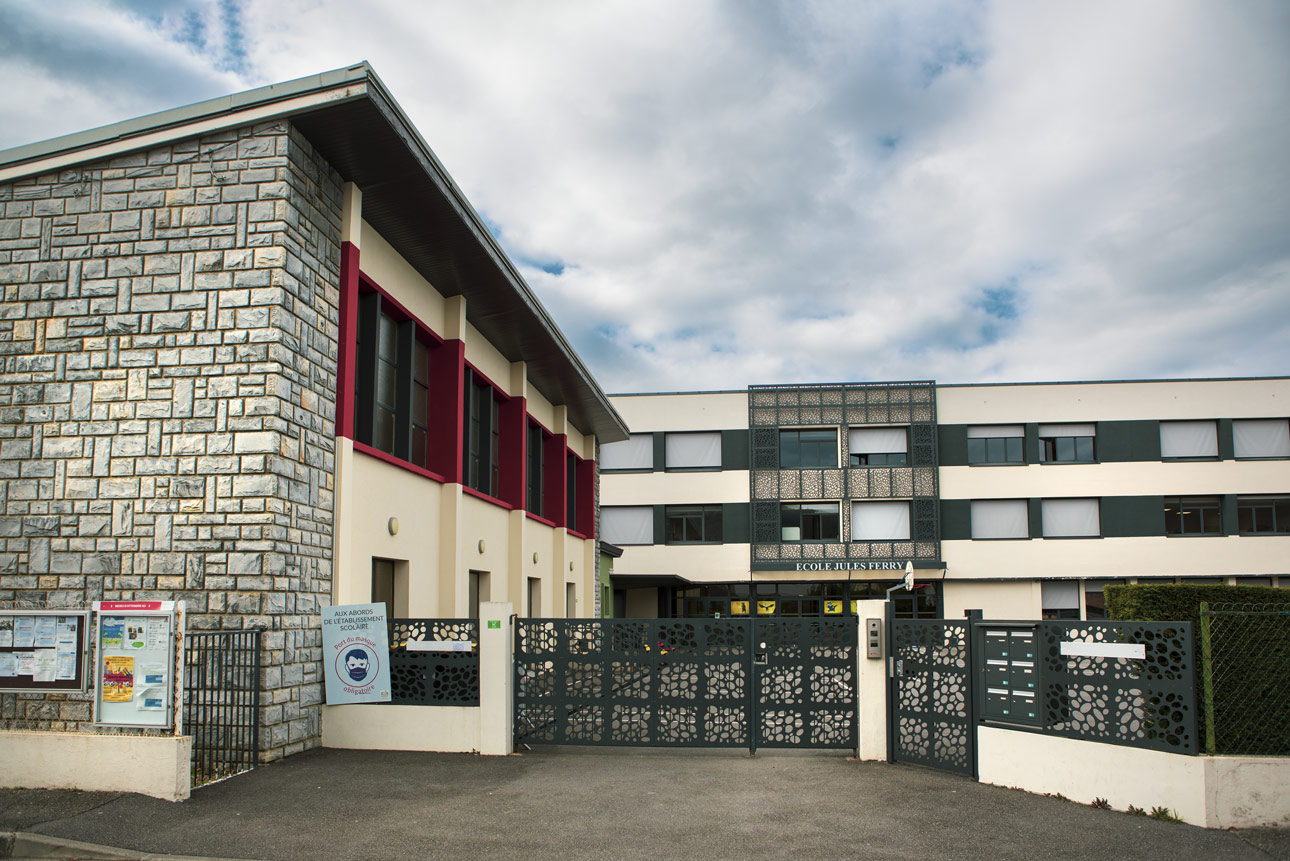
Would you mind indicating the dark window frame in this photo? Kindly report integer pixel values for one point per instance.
(879, 458)
(481, 447)
(1051, 449)
(818, 520)
(996, 450)
(1248, 524)
(534, 468)
(1208, 509)
(685, 514)
(816, 447)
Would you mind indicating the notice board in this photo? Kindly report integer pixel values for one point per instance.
(134, 663)
(44, 650)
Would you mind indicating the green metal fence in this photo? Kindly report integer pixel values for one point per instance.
(1245, 678)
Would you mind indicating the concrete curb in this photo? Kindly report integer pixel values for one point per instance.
(25, 844)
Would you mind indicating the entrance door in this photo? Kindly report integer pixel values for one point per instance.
(929, 699)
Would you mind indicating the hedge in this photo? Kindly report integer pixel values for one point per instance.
(1246, 661)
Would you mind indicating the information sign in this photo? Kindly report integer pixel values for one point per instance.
(356, 654)
(134, 664)
(44, 650)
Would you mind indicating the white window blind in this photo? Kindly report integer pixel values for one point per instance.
(994, 431)
(693, 450)
(637, 452)
(880, 521)
(1059, 594)
(1188, 439)
(1068, 518)
(878, 440)
(1051, 431)
(1262, 437)
(1000, 518)
(627, 524)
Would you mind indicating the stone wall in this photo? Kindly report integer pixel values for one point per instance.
(168, 333)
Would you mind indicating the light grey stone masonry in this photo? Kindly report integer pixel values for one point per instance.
(168, 332)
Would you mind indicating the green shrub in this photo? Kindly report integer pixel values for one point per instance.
(1165, 603)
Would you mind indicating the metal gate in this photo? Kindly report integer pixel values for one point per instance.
(686, 682)
(929, 712)
(222, 702)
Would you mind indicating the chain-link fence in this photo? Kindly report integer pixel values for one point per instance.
(1245, 678)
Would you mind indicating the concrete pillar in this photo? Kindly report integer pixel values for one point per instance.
(496, 678)
(871, 686)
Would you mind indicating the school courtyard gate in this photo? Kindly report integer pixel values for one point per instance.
(929, 697)
(754, 683)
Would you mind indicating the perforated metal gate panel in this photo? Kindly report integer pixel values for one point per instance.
(686, 682)
(929, 701)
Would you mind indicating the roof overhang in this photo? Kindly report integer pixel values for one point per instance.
(408, 197)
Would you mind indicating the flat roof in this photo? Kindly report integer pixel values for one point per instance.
(350, 117)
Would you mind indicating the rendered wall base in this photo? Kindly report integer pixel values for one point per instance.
(442, 729)
(1213, 791)
(148, 765)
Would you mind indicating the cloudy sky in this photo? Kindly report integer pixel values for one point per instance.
(711, 194)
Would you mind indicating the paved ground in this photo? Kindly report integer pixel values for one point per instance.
(575, 803)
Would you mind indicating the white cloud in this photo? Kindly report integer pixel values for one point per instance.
(757, 193)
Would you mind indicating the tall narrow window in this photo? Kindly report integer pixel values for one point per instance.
(387, 363)
(481, 449)
(420, 403)
(571, 492)
(535, 496)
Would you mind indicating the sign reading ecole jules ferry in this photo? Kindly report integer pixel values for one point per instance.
(830, 566)
(356, 654)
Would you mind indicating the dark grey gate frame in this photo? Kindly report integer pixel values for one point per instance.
(743, 682)
(221, 706)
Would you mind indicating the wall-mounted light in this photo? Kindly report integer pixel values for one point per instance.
(570, 566)
(535, 556)
(393, 525)
(482, 546)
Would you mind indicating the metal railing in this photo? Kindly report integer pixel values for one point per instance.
(222, 702)
(1245, 678)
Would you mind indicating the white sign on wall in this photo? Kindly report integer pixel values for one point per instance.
(356, 654)
(1133, 651)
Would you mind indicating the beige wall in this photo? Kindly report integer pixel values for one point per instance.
(444, 729)
(1083, 402)
(673, 488)
(996, 600)
(157, 766)
(702, 563)
(693, 411)
(1099, 558)
(1141, 478)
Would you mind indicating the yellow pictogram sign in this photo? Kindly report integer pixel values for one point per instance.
(738, 608)
(833, 608)
(765, 608)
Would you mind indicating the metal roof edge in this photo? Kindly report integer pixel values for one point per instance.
(1118, 382)
(173, 118)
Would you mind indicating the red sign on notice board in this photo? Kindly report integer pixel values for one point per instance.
(119, 606)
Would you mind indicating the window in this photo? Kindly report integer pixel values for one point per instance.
(627, 524)
(1066, 443)
(880, 521)
(535, 597)
(392, 384)
(478, 593)
(1188, 440)
(693, 524)
(996, 444)
(808, 449)
(535, 486)
(571, 491)
(1095, 599)
(878, 446)
(1070, 518)
(634, 453)
(1060, 599)
(1000, 518)
(1261, 438)
(570, 600)
(482, 434)
(1262, 515)
(809, 521)
(1192, 515)
(693, 450)
(383, 585)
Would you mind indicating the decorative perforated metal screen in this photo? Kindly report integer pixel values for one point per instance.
(1147, 702)
(434, 678)
(686, 682)
(930, 699)
(845, 406)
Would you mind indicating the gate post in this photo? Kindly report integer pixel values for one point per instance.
(871, 684)
(496, 678)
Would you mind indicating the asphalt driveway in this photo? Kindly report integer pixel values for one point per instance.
(575, 803)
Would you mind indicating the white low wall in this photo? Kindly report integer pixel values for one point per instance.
(1216, 792)
(149, 765)
(442, 729)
